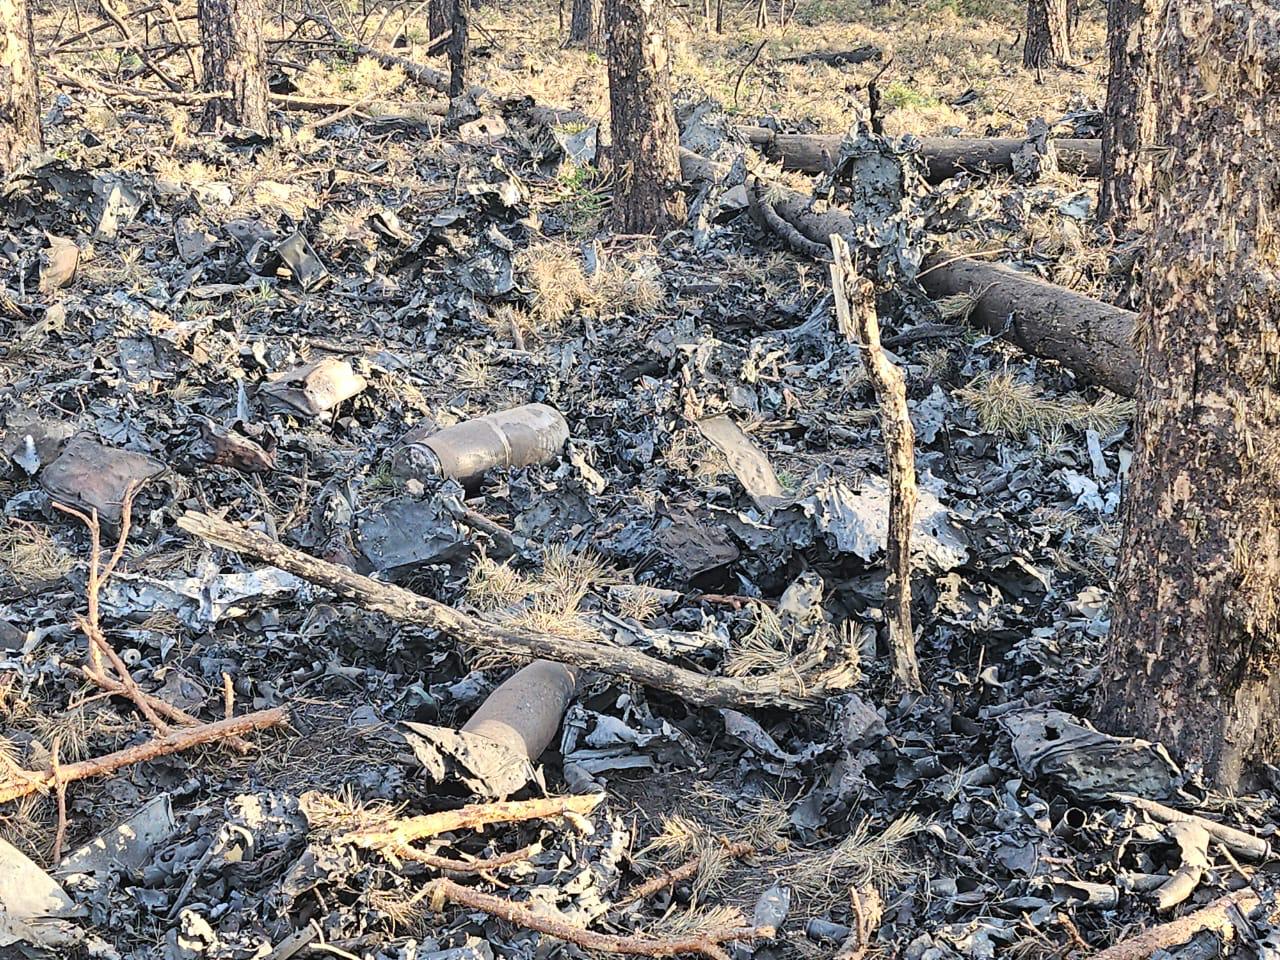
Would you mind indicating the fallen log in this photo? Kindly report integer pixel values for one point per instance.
(838, 58)
(1218, 916)
(1091, 338)
(944, 157)
(781, 690)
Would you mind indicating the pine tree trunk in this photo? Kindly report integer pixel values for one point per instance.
(235, 63)
(1129, 118)
(19, 95)
(646, 142)
(1048, 42)
(1195, 652)
(459, 49)
(439, 18)
(584, 24)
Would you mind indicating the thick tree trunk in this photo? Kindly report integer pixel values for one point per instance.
(1129, 117)
(1048, 42)
(646, 142)
(584, 24)
(459, 49)
(439, 17)
(19, 96)
(1195, 656)
(234, 63)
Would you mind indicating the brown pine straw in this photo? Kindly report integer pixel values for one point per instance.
(685, 871)
(707, 944)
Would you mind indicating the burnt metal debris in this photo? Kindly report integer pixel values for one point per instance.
(417, 360)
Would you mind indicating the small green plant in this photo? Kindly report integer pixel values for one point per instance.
(900, 96)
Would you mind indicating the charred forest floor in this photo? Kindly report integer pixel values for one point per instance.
(253, 326)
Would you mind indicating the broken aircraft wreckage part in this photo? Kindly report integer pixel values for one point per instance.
(525, 435)
(494, 752)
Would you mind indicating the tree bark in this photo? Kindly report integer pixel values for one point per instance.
(1090, 338)
(585, 25)
(1194, 659)
(646, 142)
(1048, 42)
(19, 94)
(459, 49)
(1129, 117)
(234, 63)
(439, 17)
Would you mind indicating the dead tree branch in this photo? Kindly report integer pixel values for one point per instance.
(780, 690)
(23, 782)
(856, 317)
(1220, 916)
(643, 945)
(678, 874)
(399, 834)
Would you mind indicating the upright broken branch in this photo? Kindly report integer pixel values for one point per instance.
(780, 690)
(856, 317)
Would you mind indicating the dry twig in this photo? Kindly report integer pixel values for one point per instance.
(678, 874)
(23, 782)
(643, 945)
(399, 834)
(1220, 916)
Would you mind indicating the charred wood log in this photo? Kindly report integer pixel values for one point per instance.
(944, 157)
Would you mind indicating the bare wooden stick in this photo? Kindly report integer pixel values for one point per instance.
(171, 12)
(643, 945)
(138, 48)
(399, 834)
(780, 690)
(464, 867)
(1218, 916)
(866, 908)
(856, 318)
(183, 738)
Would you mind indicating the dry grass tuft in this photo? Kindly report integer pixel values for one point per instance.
(818, 657)
(494, 586)
(71, 730)
(636, 602)
(343, 813)
(405, 911)
(28, 824)
(863, 857)
(694, 921)
(957, 308)
(549, 601)
(30, 555)
(561, 286)
(692, 456)
(1004, 404)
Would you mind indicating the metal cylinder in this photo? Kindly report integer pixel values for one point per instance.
(533, 433)
(524, 712)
